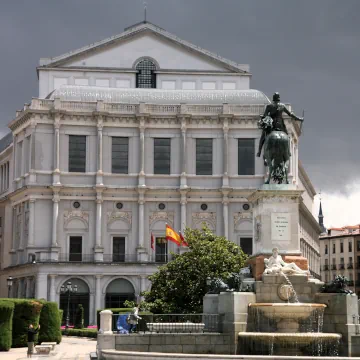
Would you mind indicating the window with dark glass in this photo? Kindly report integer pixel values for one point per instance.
(341, 247)
(246, 245)
(77, 153)
(118, 249)
(334, 248)
(326, 249)
(75, 248)
(204, 155)
(358, 245)
(146, 77)
(161, 251)
(120, 155)
(162, 151)
(246, 156)
(350, 246)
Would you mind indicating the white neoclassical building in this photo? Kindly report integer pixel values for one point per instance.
(126, 135)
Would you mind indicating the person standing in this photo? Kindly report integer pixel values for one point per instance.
(31, 334)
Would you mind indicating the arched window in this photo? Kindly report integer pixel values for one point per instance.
(146, 77)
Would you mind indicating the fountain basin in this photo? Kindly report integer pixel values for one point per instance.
(295, 344)
(287, 315)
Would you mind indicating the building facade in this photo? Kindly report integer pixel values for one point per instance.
(129, 134)
(340, 255)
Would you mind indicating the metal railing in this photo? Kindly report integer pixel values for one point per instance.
(333, 267)
(119, 258)
(325, 267)
(76, 257)
(170, 323)
(341, 266)
(350, 266)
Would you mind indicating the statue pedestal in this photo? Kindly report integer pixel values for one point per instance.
(276, 224)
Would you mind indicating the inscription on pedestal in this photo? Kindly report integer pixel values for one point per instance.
(280, 227)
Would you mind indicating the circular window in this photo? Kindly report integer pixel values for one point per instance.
(161, 206)
(119, 205)
(204, 207)
(76, 204)
(246, 206)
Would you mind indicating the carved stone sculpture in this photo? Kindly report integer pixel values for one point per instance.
(276, 265)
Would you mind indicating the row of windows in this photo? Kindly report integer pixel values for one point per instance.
(162, 155)
(341, 247)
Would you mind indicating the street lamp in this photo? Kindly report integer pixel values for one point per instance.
(69, 289)
(9, 284)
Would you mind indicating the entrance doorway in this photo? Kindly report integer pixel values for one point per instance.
(80, 297)
(117, 292)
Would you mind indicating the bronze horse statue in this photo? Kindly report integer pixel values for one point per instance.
(277, 156)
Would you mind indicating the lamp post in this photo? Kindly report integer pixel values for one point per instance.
(68, 289)
(9, 284)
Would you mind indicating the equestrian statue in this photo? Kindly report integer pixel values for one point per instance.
(275, 140)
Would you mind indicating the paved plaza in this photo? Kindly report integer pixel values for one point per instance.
(73, 348)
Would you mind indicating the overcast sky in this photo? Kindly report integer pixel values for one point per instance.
(307, 50)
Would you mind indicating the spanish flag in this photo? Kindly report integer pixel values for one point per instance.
(183, 241)
(172, 235)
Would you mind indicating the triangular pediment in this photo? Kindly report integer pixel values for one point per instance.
(145, 40)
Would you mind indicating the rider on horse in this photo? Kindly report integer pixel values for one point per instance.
(275, 137)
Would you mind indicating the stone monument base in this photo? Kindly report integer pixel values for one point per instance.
(257, 263)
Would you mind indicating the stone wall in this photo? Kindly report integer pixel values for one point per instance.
(267, 290)
(209, 343)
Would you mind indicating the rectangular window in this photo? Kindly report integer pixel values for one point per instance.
(77, 153)
(326, 249)
(334, 248)
(358, 245)
(246, 245)
(118, 249)
(246, 156)
(161, 251)
(204, 150)
(350, 246)
(75, 248)
(120, 155)
(162, 150)
(341, 247)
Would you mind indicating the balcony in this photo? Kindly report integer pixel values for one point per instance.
(350, 266)
(325, 267)
(341, 266)
(333, 267)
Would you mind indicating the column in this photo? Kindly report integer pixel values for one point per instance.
(183, 202)
(56, 173)
(226, 153)
(226, 214)
(98, 235)
(183, 182)
(23, 156)
(142, 286)
(142, 153)
(41, 286)
(28, 287)
(56, 200)
(22, 211)
(32, 155)
(99, 179)
(141, 249)
(92, 309)
(97, 294)
(52, 288)
(31, 236)
(14, 158)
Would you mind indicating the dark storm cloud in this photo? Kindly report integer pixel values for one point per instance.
(307, 50)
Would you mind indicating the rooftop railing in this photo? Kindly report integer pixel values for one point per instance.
(124, 108)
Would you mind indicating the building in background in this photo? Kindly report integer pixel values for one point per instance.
(126, 135)
(340, 255)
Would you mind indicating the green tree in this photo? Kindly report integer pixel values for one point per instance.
(79, 317)
(179, 286)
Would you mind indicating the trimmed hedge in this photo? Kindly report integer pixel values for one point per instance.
(50, 323)
(90, 333)
(6, 319)
(79, 317)
(61, 314)
(26, 312)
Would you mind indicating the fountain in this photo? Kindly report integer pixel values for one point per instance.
(286, 328)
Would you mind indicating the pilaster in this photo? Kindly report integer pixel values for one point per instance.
(183, 179)
(99, 250)
(226, 152)
(32, 170)
(225, 202)
(52, 296)
(97, 294)
(56, 172)
(141, 249)
(41, 286)
(142, 152)
(31, 237)
(99, 174)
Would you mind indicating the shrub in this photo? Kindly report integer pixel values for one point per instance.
(79, 317)
(26, 312)
(91, 333)
(6, 318)
(61, 314)
(50, 323)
